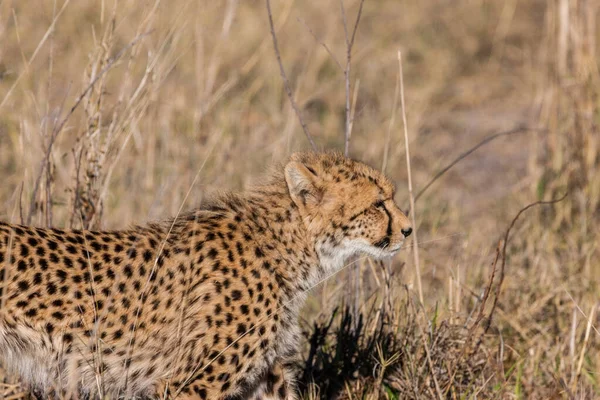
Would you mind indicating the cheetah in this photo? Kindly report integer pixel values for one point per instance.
(203, 306)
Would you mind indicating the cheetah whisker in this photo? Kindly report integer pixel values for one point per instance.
(421, 243)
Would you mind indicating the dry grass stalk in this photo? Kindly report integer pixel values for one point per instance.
(410, 187)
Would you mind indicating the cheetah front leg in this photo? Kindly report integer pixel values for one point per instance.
(277, 384)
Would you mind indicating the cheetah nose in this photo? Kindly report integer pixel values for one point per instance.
(406, 232)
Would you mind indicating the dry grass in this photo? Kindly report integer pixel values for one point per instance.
(108, 110)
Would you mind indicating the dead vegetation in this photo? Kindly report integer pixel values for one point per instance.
(108, 110)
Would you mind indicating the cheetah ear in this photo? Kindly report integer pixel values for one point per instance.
(302, 184)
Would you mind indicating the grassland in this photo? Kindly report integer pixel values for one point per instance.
(110, 112)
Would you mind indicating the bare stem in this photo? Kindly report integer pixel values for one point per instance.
(327, 49)
(518, 129)
(410, 187)
(286, 82)
(58, 129)
(349, 45)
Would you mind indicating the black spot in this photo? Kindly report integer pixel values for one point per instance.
(212, 253)
(62, 275)
(132, 253)
(147, 255)
(51, 288)
(71, 249)
(68, 262)
(58, 315)
(23, 285)
(236, 294)
(200, 392)
(241, 329)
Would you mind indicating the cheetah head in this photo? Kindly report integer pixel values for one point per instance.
(347, 207)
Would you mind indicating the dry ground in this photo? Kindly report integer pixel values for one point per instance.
(182, 88)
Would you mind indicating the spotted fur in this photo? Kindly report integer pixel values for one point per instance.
(200, 307)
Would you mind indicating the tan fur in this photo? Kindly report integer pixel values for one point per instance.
(202, 307)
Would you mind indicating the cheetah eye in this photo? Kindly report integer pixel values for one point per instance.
(379, 204)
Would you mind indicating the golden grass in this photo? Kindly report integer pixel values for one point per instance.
(173, 80)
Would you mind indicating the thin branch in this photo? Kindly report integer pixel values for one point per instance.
(320, 42)
(410, 188)
(360, 8)
(349, 45)
(500, 255)
(58, 129)
(506, 238)
(286, 82)
(519, 129)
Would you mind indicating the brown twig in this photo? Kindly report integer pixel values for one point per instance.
(323, 44)
(58, 129)
(349, 45)
(519, 129)
(502, 265)
(286, 82)
(500, 255)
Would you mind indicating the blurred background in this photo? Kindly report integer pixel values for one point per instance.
(109, 110)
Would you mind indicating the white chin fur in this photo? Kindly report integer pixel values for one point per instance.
(334, 259)
(373, 251)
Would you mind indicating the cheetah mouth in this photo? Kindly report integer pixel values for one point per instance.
(387, 246)
(394, 249)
